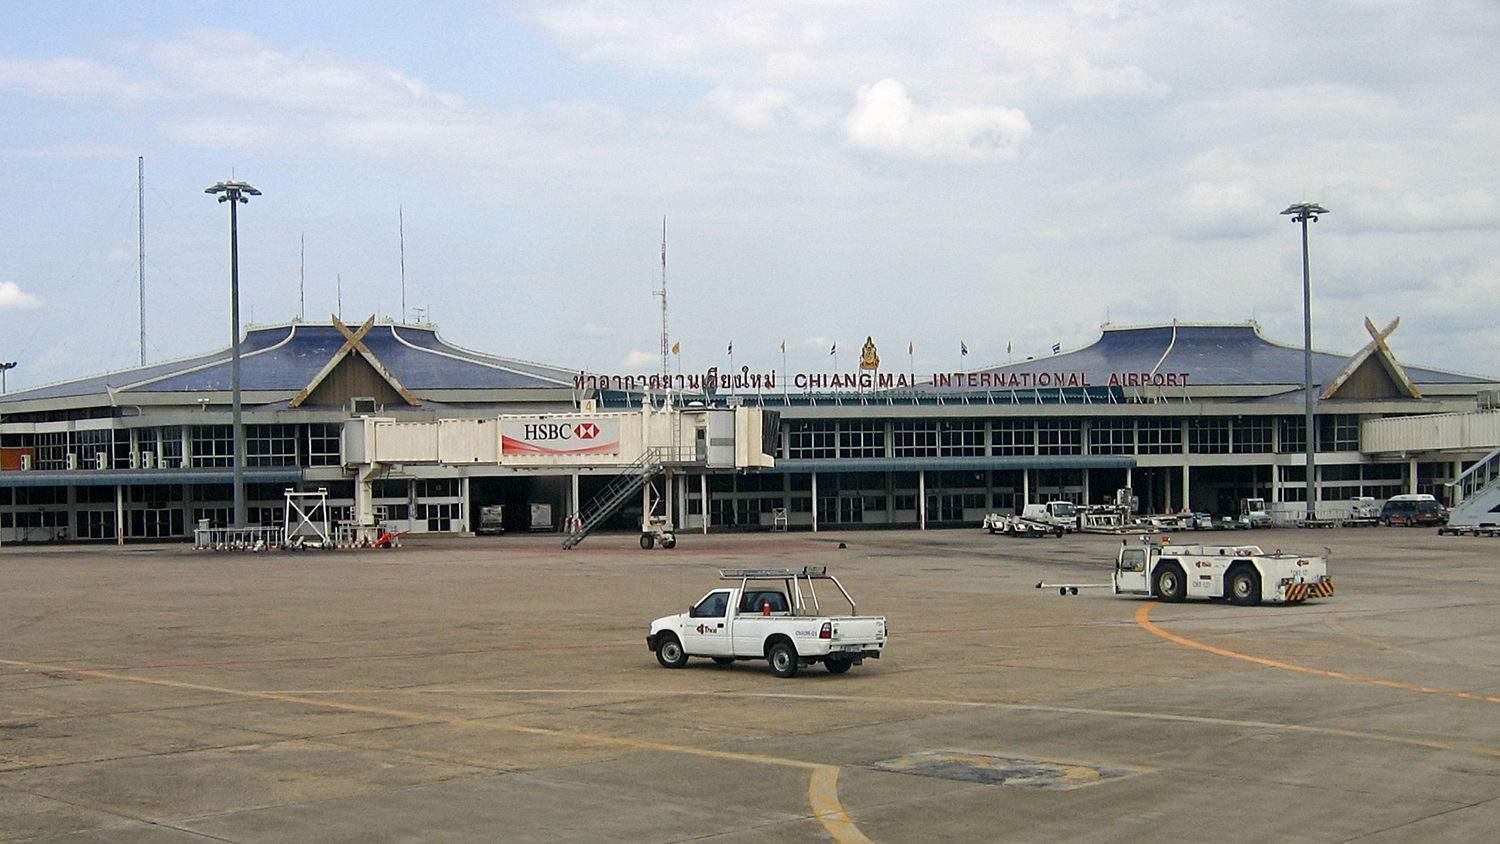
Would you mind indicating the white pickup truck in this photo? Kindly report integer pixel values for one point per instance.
(771, 614)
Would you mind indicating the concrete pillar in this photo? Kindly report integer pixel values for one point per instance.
(1186, 488)
(922, 499)
(815, 502)
(703, 500)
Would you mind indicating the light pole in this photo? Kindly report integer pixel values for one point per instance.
(235, 193)
(1303, 212)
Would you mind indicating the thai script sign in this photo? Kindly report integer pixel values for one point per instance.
(714, 381)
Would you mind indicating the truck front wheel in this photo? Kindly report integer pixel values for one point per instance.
(1171, 583)
(1244, 586)
(669, 652)
(783, 659)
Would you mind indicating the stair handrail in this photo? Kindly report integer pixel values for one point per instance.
(1487, 468)
(631, 478)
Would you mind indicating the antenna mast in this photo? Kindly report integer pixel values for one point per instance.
(140, 218)
(302, 282)
(666, 371)
(401, 236)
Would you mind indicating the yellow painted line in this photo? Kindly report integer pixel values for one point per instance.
(1142, 617)
(823, 794)
(822, 790)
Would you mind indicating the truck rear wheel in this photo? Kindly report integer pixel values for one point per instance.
(1171, 583)
(669, 652)
(837, 664)
(783, 659)
(1244, 586)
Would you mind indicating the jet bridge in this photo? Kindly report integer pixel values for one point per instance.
(636, 446)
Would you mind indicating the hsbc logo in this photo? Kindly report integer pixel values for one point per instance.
(546, 431)
(576, 436)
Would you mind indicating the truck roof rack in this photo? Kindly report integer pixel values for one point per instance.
(803, 571)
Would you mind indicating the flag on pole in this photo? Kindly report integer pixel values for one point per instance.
(783, 347)
(963, 348)
(911, 348)
(1007, 348)
(677, 347)
(1056, 347)
(731, 347)
(834, 350)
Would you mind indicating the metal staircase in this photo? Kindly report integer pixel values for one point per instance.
(1480, 490)
(614, 496)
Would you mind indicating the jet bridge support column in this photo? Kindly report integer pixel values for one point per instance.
(364, 493)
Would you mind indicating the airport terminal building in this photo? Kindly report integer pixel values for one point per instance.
(1189, 417)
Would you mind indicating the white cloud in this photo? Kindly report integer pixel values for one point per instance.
(886, 120)
(13, 298)
(758, 110)
(1222, 209)
(254, 72)
(73, 79)
(638, 360)
(1407, 208)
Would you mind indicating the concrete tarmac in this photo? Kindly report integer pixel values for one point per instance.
(499, 689)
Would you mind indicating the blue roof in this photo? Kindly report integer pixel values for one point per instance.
(1208, 354)
(287, 357)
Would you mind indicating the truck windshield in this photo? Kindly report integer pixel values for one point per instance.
(1064, 509)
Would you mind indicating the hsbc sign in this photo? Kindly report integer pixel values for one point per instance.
(560, 436)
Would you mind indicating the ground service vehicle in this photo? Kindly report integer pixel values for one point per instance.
(491, 519)
(1363, 511)
(771, 614)
(1244, 574)
(1253, 513)
(1418, 510)
(1053, 517)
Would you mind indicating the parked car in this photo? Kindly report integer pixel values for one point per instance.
(1413, 511)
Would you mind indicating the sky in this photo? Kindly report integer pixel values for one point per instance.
(1000, 176)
